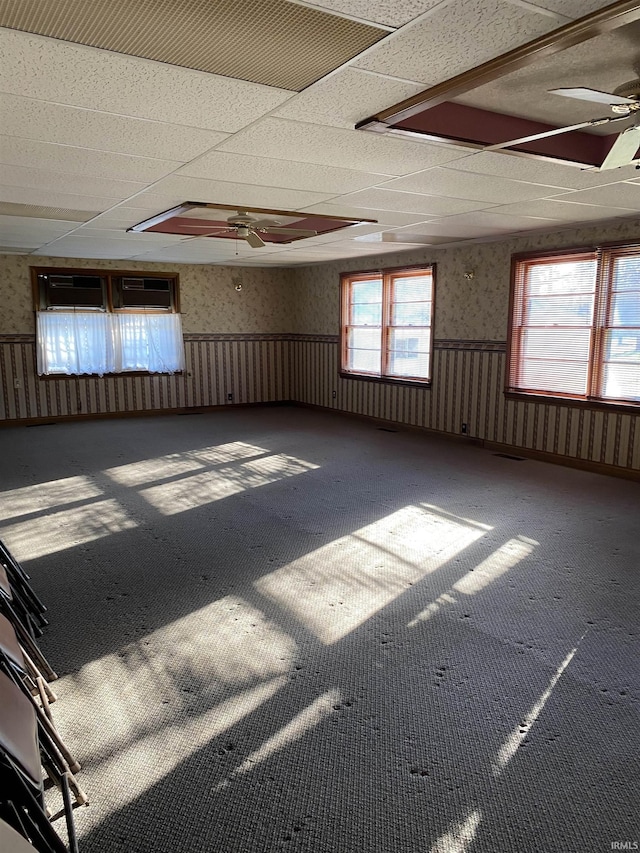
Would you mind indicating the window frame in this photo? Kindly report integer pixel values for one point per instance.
(387, 277)
(604, 255)
(109, 279)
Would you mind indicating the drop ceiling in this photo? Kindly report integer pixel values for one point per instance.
(99, 132)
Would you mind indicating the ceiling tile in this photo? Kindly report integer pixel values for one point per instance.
(265, 171)
(565, 211)
(538, 171)
(22, 195)
(456, 37)
(89, 247)
(614, 195)
(571, 8)
(383, 217)
(81, 161)
(387, 12)
(46, 122)
(479, 224)
(17, 225)
(18, 176)
(223, 192)
(430, 205)
(447, 182)
(52, 70)
(150, 202)
(349, 149)
(345, 98)
(345, 234)
(120, 218)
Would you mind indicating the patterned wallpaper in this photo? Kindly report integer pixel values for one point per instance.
(278, 340)
(208, 299)
(465, 310)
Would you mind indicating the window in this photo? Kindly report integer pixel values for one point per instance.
(386, 324)
(576, 325)
(97, 322)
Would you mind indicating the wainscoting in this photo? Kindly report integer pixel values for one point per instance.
(253, 368)
(468, 382)
(468, 378)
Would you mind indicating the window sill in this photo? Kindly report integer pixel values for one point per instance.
(556, 400)
(124, 373)
(386, 380)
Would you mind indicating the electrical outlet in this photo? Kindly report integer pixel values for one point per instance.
(17, 383)
(230, 398)
(464, 429)
(333, 395)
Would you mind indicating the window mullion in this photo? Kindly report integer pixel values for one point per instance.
(387, 290)
(598, 331)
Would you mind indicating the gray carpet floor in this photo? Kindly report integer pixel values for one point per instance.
(282, 629)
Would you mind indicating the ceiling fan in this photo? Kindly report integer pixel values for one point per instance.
(624, 103)
(245, 227)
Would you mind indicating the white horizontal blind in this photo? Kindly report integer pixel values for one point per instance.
(409, 330)
(363, 330)
(553, 324)
(620, 375)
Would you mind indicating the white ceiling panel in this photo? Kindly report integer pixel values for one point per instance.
(81, 161)
(387, 12)
(89, 247)
(150, 238)
(562, 210)
(571, 8)
(347, 97)
(150, 202)
(539, 171)
(429, 205)
(388, 218)
(14, 225)
(35, 119)
(19, 176)
(348, 149)
(52, 70)
(223, 192)
(46, 198)
(85, 129)
(120, 218)
(480, 224)
(345, 234)
(447, 182)
(265, 171)
(456, 37)
(615, 195)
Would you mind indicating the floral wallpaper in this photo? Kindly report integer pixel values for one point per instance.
(475, 309)
(208, 298)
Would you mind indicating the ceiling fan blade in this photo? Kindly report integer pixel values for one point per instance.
(212, 232)
(294, 232)
(555, 132)
(624, 149)
(254, 240)
(592, 95)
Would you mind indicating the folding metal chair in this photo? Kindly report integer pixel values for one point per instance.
(21, 756)
(15, 613)
(19, 581)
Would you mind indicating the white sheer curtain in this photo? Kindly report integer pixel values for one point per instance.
(73, 343)
(150, 342)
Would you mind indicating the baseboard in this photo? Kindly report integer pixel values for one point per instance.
(138, 413)
(512, 449)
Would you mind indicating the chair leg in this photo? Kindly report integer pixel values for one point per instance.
(68, 809)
